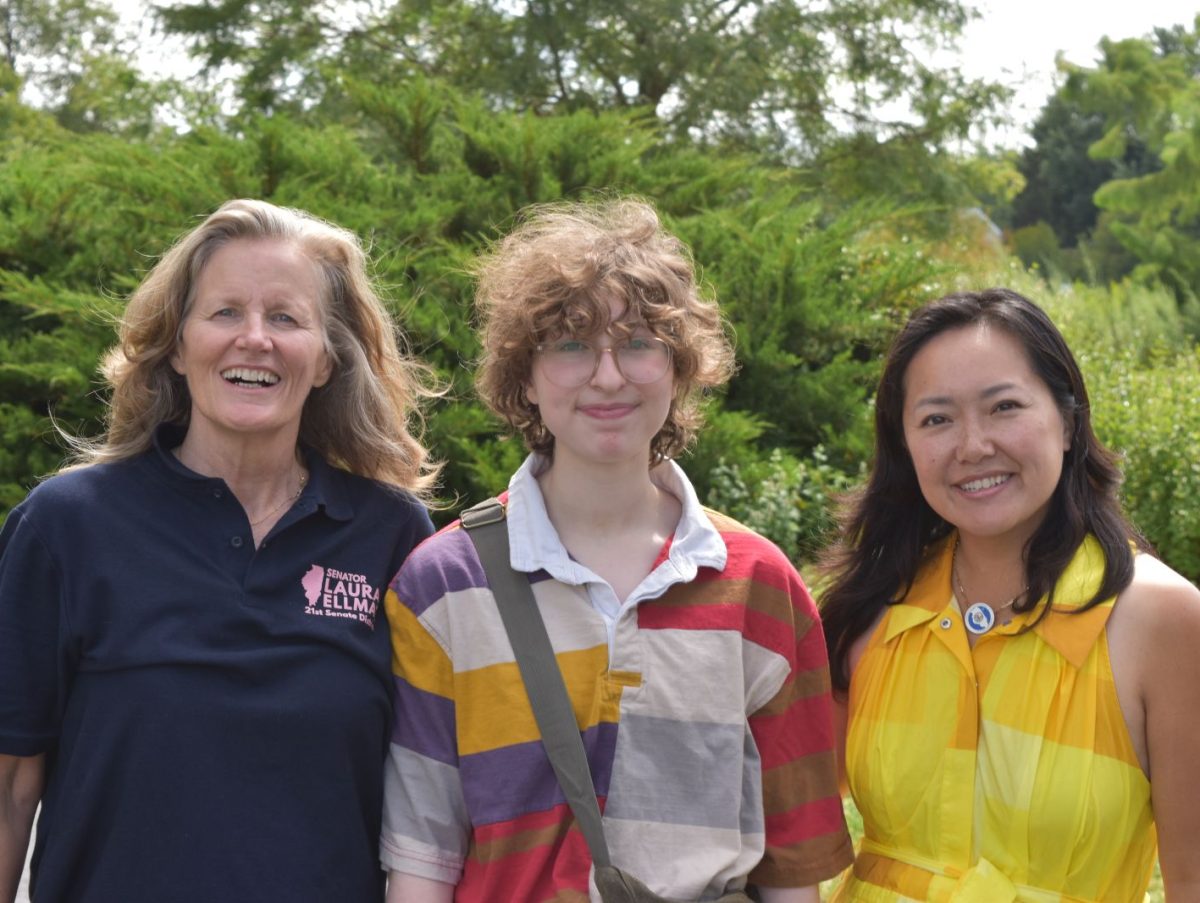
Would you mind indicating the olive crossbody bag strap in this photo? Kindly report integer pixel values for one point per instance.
(543, 679)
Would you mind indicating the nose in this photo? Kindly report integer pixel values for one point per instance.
(253, 334)
(607, 374)
(974, 443)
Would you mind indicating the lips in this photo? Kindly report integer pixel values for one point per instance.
(606, 411)
(249, 376)
(985, 483)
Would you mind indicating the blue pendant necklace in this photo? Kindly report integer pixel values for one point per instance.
(980, 617)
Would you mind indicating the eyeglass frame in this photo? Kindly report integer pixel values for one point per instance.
(613, 349)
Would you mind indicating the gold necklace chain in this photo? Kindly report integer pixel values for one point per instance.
(957, 574)
(290, 498)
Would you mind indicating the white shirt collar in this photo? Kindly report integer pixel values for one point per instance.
(534, 544)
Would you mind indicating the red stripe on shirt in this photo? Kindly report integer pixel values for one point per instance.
(803, 729)
(805, 822)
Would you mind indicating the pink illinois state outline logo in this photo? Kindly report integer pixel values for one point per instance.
(339, 594)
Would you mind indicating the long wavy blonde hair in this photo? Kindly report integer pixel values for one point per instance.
(366, 419)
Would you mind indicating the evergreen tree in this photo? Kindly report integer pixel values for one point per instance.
(427, 175)
(1148, 91)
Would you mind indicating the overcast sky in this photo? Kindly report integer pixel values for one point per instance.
(1014, 42)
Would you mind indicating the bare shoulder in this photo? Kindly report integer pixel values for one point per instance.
(1151, 573)
(1154, 651)
(1159, 603)
(1154, 630)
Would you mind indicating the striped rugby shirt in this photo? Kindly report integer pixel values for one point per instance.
(703, 702)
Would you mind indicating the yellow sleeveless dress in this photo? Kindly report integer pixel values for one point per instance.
(999, 773)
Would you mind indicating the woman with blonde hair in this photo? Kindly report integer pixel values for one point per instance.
(194, 668)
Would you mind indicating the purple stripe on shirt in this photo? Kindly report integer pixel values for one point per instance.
(446, 563)
(424, 723)
(528, 784)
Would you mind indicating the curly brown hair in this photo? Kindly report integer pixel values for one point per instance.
(558, 271)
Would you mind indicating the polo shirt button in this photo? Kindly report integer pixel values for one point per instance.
(236, 542)
(947, 623)
(217, 493)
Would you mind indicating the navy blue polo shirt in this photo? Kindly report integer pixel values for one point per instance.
(215, 717)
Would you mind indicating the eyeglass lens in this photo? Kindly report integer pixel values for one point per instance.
(572, 362)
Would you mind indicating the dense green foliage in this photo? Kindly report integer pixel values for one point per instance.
(1114, 170)
(788, 499)
(1143, 373)
(425, 127)
(428, 176)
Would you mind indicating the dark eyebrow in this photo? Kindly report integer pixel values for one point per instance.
(935, 401)
(943, 400)
(998, 389)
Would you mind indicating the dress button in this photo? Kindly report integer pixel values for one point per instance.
(947, 623)
(236, 542)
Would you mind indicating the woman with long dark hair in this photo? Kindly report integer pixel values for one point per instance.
(1018, 675)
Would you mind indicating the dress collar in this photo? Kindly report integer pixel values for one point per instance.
(1071, 635)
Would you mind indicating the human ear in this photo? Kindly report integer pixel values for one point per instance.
(324, 371)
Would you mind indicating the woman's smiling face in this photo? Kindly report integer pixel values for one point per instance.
(253, 345)
(983, 431)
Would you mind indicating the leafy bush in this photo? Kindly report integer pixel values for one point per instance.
(1124, 322)
(786, 499)
(1149, 414)
(427, 176)
(1037, 245)
(813, 297)
(1143, 374)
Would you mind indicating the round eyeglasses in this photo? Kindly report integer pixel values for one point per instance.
(569, 363)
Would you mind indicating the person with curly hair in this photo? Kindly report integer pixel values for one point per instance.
(689, 645)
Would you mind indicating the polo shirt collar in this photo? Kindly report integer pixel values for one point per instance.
(1071, 635)
(534, 544)
(325, 490)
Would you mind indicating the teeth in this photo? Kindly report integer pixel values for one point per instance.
(246, 375)
(985, 483)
